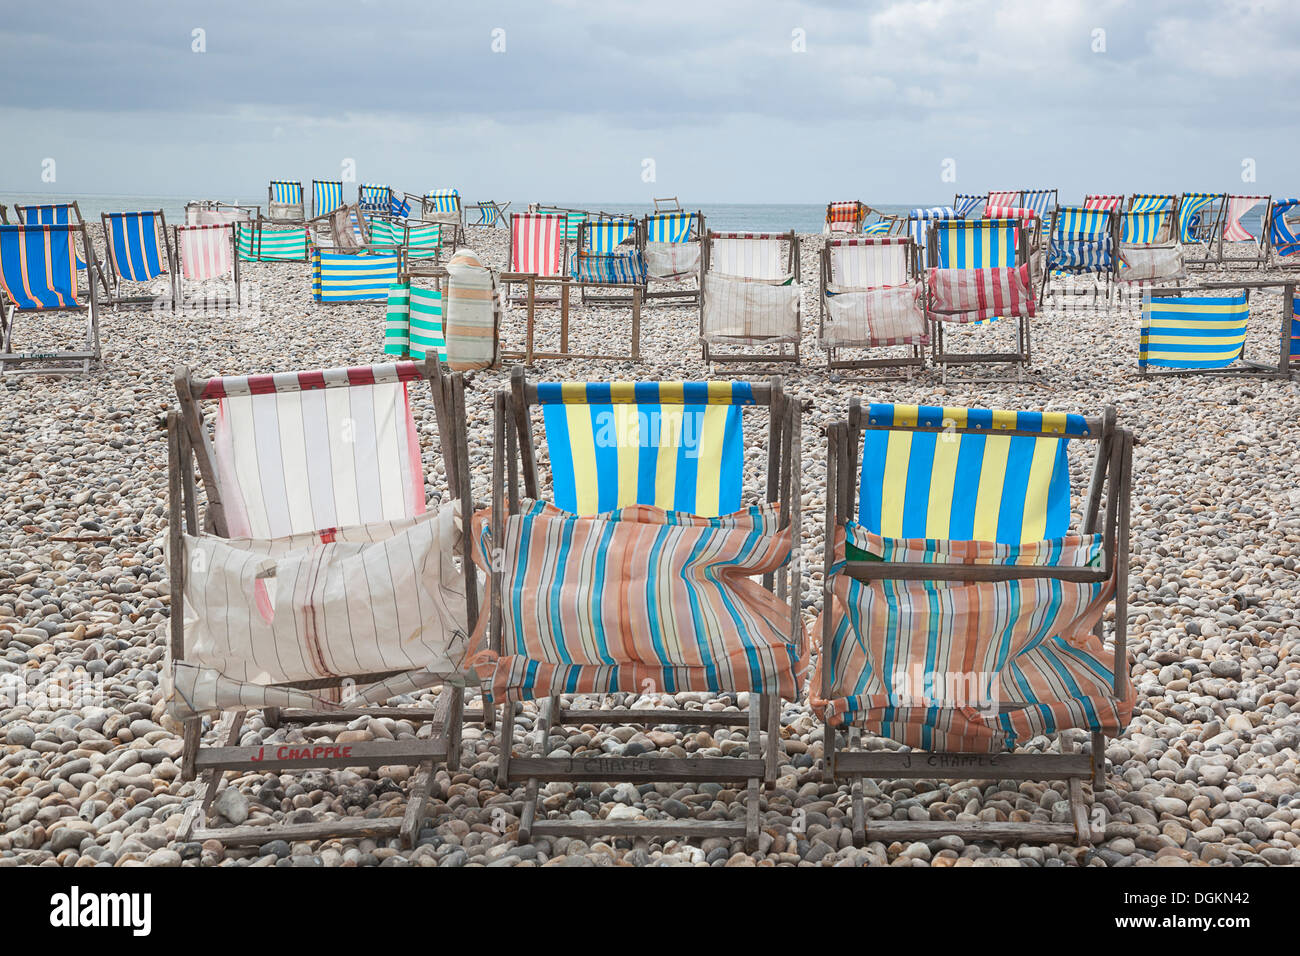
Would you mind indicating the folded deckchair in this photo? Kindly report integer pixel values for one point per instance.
(353, 276)
(38, 275)
(969, 205)
(399, 205)
(846, 216)
(138, 249)
(205, 253)
(259, 241)
(1284, 234)
(1200, 220)
(315, 567)
(443, 206)
(374, 198)
(1103, 201)
(980, 271)
(670, 243)
(326, 196)
(346, 229)
(639, 576)
(1081, 241)
(750, 295)
(1235, 232)
(963, 617)
(285, 201)
(918, 227)
(1204, 330)
(872, 297)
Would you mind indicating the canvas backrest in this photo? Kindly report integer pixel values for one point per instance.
(1191, 213)
(676, 226)
(1004, 197)
(1193, 332)
(38, 266)
(1142, 227)
(536, 243)
(327, 195)
(749, 255)
(1081, 221)
(285, 192)
(1151, 202)
(1102, 201)
(133, 245)
(205, 251)
(442, 200)
(967, 204)
(1282, 233)
(869, 263)
(976, 243)
(606, 234)
(1234, 230)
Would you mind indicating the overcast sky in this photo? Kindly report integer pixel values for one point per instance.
(730, 100)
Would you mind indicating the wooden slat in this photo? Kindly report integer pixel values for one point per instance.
(962, 766)
(692, 829)
(733, 718)
(351, 828)
(887, 831)
(368, 753)
(636, 769)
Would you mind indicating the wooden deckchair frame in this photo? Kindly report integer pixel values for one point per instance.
(488, 207)
(942, 358)
(686, 296)
(114, 296)
(283, 212)
(1112, 473)
(223, 302)
(90, 354)
(787, 351)
(189, 445)
(1279, 262)
(1260, 259)
(457, 228)
(636, 292)
(909, 362)
(1282, 368)
(514, 460)
(1107, 275)
(1209, 230)
(661, 204)
(255, 238)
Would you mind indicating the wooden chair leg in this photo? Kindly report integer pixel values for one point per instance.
(507, 738)
(209, 783)
(417, 803)
(772, 710)
(1098, 762)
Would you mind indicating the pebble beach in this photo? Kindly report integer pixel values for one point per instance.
(1207, 773)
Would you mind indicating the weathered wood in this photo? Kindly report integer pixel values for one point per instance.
(350, 828)
(307, 756)
(636, 769)
(653, 717)
(690, 829)
(888, 831)
(917, 765)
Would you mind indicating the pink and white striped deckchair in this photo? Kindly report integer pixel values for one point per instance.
(206, 252)
(1235, 231)
(1103, 201)
(1002, 198)
(316, 568)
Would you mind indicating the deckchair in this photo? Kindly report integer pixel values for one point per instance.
(417, 240)
(1041, 201)
(490, 212)
(1028, 217)
(980, 271)
(1234, 231)
(1149, 250)
(846, 216)
(1081, 241)
(963, 617)
(1200, 220)
(413, 326)
(1105, 201)
(969, 205)
(353, 276)
(38, 275)
(1284, 234)
(750, 295)
(443, 206)
(1152, 202)
(55, 214)
(138, 249)
(259, 241)
(885, 225)
(326, 196)
(374, 198)
(1003, 197)
(671, 241)
(1203, 330)
(314, 486)
(918, 227)
(607, 255)
(647, 481)
(205, 253)
(346, 229)
(872, 296)
(285, 201)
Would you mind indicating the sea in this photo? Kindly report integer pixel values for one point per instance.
(726, 217)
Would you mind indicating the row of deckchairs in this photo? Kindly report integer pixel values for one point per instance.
(287, 203)
(964, 615)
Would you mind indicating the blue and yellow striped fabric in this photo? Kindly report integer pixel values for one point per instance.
(1081, 240)
(1282, 234)
(352, 276)
(1141, 227)
(880, 227)
(1189, 215)
(1150, 202)
(1081, 221)
(1193, 332)
(286, 193)
(443, 200)
(605, 235)
(673, 445)
(976, 243)
(50, 214)
(133, 245)
(327, 195)
(669, 226)
(966, 486)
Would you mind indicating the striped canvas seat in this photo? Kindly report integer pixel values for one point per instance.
(1293, 343)
(301, 452)
(1005, 197)
(606, 235)
(387, 232)
(352, 276)
(1151, 202)
(621, 267)
(205, 251)
(672, 227)
(413, 327)
(38, 267)
(398, 206)
(673, 445)
(259, 243)
(51, 214)
(672, 249)
(134, 250)
(844, 216)
(967, 205)
(375, 198)
(327, 195)
(881, 227)
(1191, 212)
(919, 221)
(1282, 233)
(1102, 201)
(536, 243)
(1023, 213)
(872, 297)
(1193, 332)
(1237, 207)
(285, 200)
(1041, 201)
(1081, 240)
(442, 205)
(749, 256)
(1142, 227)
(976, 275)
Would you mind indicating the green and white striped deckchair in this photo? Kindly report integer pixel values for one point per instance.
(258, 242)
(413, 326)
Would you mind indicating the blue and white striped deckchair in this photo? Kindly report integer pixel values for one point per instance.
(919, 220)
(1081, 241)
(398, 206)
(673, 445)
(38, 273)
(375, 198)
(967, 205)
(1041, 201)
(327, 195)
(602, 258)
(353, 276)
(1282, 234)
(52, 214)
(1151, 202)
(1191, 209)
(1193, 332)
(285, 202)
(135, 254)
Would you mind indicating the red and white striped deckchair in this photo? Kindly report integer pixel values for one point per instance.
(206, 253)
(1103, 201)
(537, 248)
(1002, 198)
(316, 568)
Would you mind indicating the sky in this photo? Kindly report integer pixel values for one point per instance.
(711, 100)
